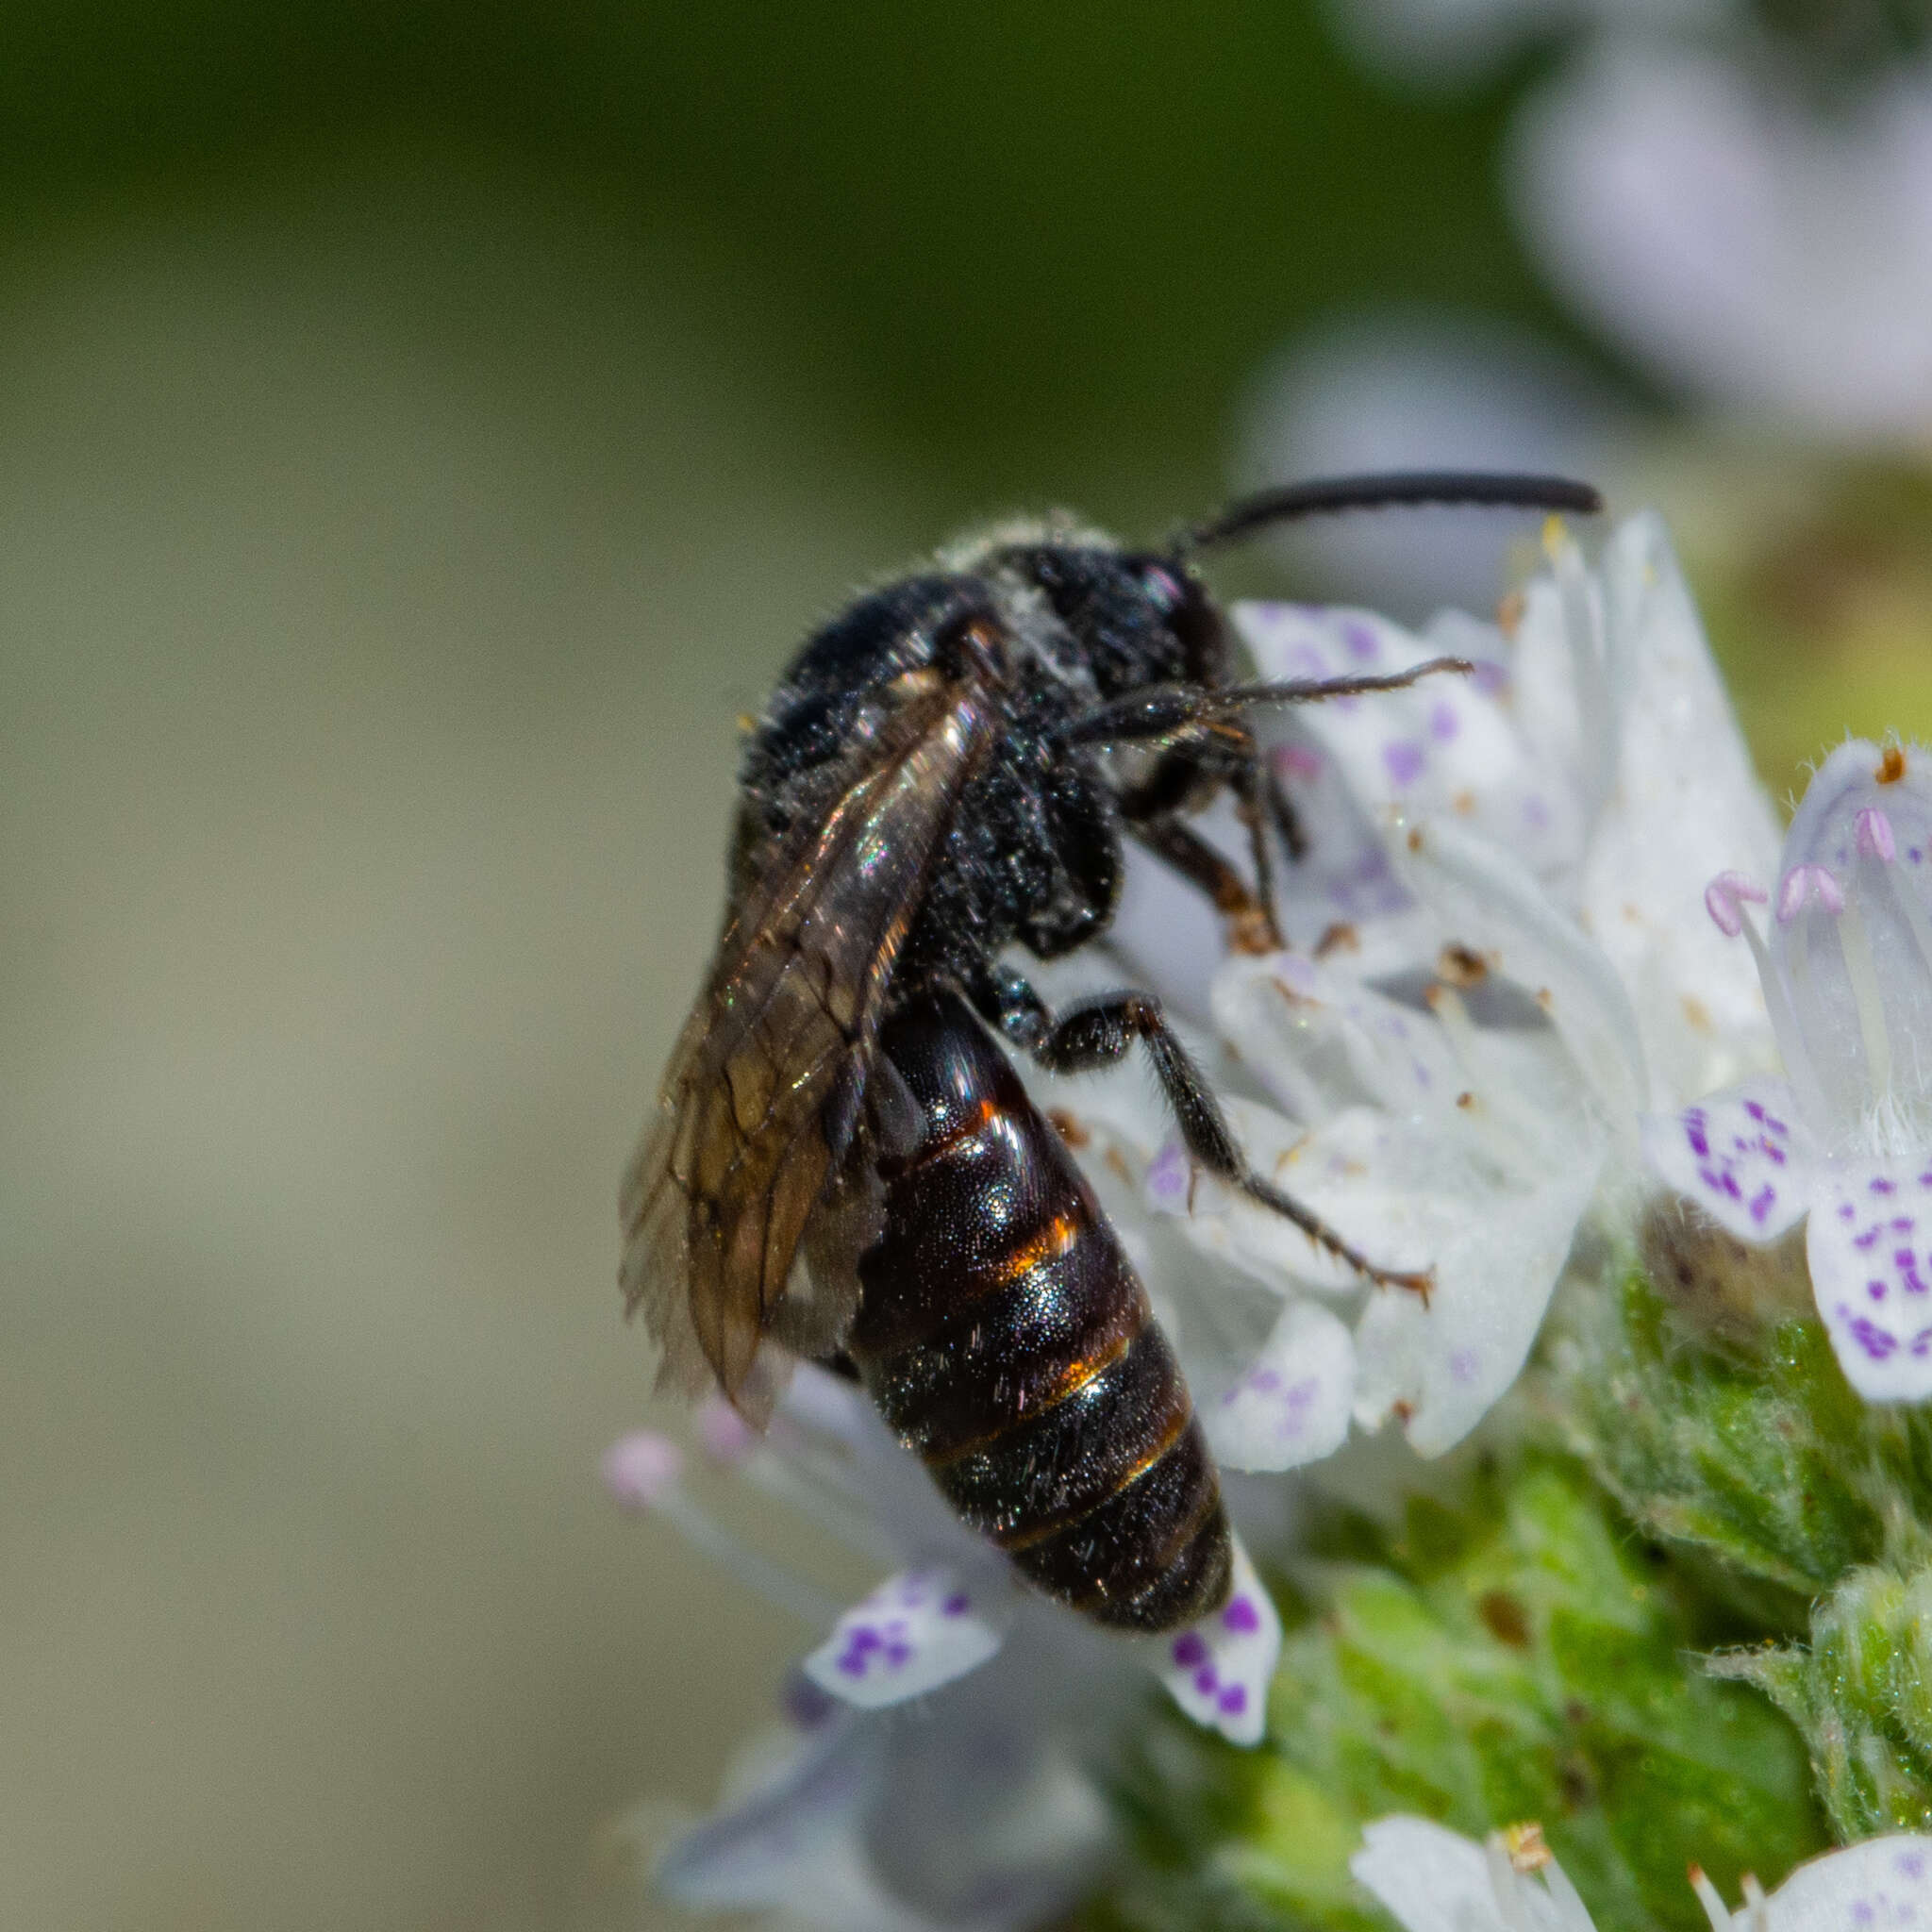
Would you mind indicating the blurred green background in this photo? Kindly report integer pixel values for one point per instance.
(423, 429)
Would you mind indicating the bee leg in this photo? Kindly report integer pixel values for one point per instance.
(1190, 772)
(1288, 822)
(1177, 843)
(1101, 1032)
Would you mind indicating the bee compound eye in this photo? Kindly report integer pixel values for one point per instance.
(1164, 587)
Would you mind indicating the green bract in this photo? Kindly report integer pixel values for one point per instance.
(1520, 1658)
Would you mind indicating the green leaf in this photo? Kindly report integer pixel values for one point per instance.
(1519, 1659)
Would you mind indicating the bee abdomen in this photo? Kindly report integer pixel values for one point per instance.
(1004, 1333)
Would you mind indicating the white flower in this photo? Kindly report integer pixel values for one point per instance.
(1846, 1137)
(1501, 958)
(978, 1811)
(1435, 1880)
(1594, 753)
(1754, 254)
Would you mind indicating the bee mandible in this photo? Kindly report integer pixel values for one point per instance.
(842, 1165)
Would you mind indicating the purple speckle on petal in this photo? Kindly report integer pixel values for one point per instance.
(1489, 678)
(1242, 1617)
(1700, 1140)
(1875, 1290)
(1868, 1335)
(1868, 1237)
(1360, 641)
(1265, 1381)
(1444, 722)
(1535, 814)
(1205, 1682)
(1234, 1700)
(1190, 1648)
(1762, 1201)
(1902, 1224)
(1912, 1864)
(1167, 1177)
(1404, 760)
(1881, 1186)
(1755, 1108)
(1862, 1913)
(955, 1605)
(1463, 1365)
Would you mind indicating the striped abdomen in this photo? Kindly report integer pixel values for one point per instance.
(1004, 1333)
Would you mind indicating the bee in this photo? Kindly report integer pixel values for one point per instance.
(843, 1166)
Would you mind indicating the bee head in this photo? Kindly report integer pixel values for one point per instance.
(1136, 617)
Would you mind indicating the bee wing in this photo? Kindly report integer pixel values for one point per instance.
(765, 1087)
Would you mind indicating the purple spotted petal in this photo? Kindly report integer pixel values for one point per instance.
(1738, 1155)
(1884, 1885)
(916, 1631)
(1219, 1669)
(1869, 1247)
(1291, 1405)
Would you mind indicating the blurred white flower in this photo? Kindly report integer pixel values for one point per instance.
(1752, 254)
(1419, 390)
(977, 1810)
(1435, 1880)
(1846, 1136)
(1442, 44)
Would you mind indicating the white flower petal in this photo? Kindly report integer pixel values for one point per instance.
(1870, 1249)
(1884, 1885)
(1291, 1405)
(1218, 1670)
(1431, 1878)
(1684, 806)
(1445, 746)
(1496, 1246)
(1490, 901)
(1737, 1155)
(1322, 1042)
(916, 1631)
(795, 1845)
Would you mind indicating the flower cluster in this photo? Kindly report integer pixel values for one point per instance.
(1523, 988)
(1844, 1141)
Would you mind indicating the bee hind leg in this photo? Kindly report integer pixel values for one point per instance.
(1101, 1032)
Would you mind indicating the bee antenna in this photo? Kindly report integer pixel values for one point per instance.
(1401, 490)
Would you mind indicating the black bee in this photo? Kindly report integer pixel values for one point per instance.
(843, 1166)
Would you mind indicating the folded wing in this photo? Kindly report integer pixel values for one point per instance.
(768, 1078)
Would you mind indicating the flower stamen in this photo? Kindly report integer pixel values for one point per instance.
(1725, 899)
(1710, 1899)
(644, 1472)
